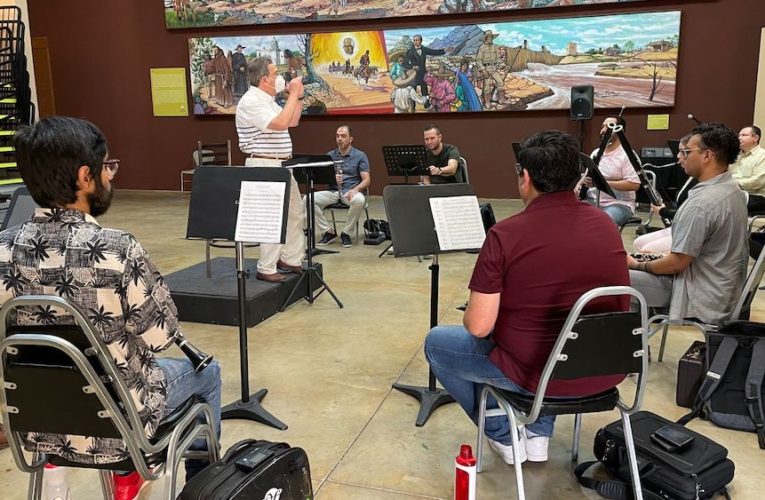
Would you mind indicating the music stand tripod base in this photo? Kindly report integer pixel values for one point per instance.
(430, 400)
(252, 410)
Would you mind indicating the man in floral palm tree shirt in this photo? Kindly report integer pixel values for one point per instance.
(104, 272)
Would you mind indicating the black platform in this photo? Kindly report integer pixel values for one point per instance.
(214, 300)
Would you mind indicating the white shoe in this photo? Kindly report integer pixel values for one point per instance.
(536, 447)
(505, 451)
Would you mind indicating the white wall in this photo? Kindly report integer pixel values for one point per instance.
(22, 4)
(759, 100)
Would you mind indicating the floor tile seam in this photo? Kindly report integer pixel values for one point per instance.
(388, 490)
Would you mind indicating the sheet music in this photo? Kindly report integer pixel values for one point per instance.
(458, 222)
(261, 209)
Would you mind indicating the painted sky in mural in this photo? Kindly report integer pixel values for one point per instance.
(202, 13)
(630, 59)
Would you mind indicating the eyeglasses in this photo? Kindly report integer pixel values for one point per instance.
(518, 169)
(112, 165)
(686, 152)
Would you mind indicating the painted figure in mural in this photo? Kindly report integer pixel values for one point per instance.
(209, 70)
(239, 67)
(489, 64)
(347, 70)
(363, 69)
(336, 5)
(348, 46)
(397, 68)
(415, 59)
(442, 93)
(453, 6)
(294, 65)
(404, 97)
(223, 73)
(464, 89)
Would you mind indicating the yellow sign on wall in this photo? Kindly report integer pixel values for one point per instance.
(658, 122)
(168, 92)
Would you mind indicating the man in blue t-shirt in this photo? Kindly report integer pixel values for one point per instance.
(353, 181)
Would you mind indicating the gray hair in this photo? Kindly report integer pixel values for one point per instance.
(257, 69)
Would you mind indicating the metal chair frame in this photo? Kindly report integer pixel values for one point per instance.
(518, 419)
(123, 414)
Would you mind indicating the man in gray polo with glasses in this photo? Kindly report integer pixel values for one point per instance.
(703, 274)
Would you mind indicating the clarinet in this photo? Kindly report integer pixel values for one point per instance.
(198, 359)
(653, 195)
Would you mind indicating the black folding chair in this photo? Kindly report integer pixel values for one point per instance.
(587, 346)
(61, 379)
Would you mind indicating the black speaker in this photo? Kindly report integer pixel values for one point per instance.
(582, 102)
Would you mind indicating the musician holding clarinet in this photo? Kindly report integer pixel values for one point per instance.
(106, 273)
(613, 163)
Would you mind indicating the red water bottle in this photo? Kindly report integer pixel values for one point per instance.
(464, 474)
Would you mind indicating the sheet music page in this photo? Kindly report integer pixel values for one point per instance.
(261, 207)
(458, 222)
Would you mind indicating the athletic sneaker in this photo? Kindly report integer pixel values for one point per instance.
(505, 451)
(346, 240)
(128, 487)
(536, 447)
(327, 238)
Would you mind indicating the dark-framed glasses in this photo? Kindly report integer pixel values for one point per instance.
(112, 165)
(686, 152)
(518, 169)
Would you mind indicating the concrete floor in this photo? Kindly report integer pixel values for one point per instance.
(329, 373)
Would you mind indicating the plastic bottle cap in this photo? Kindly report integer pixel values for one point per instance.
(466, 451)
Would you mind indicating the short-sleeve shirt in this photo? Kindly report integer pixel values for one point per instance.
(749, 171)
(256, 109)
(354, 163)
(711, 227)
(109, 277)
(615, 166)
(540, 262)
(448, 152)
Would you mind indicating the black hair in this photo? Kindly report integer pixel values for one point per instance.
(430, 126)
(552, 161)
(348, 128)
(719, 139)
(50, 153)
(756, 131)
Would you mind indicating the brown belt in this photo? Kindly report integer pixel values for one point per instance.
(271, 157)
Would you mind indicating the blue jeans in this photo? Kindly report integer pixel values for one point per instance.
(182, 383)
(461, 363)
(619, 213)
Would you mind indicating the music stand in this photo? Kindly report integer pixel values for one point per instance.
(320, 176)
(598, 180)
(413, 234)
(311, 167)
(213, 211)
(406, 160)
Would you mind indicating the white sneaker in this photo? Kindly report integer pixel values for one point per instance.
(506, 450)
(536, 447)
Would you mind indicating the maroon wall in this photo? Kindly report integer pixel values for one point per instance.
(101, 52)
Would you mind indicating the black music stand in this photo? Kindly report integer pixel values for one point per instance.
(598, 180)
(406, 160)
(318, 176)
(310, 168)
(413, 234)
(213, 211)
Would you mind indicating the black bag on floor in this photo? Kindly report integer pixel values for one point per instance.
(253, 469)
(732, 392)
(697, 470)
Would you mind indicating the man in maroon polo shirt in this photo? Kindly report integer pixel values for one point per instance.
(531, 270)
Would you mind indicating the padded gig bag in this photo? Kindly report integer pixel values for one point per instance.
(698, 470)
(253, 469)
(732, 392)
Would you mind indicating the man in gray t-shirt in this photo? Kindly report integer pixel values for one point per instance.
(703, 275)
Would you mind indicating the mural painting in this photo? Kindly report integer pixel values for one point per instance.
(630, 59)
(204, 13)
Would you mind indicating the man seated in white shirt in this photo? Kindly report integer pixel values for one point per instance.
(749, 169)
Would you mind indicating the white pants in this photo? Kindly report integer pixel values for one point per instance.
(324, 198)
(294, 248)
(656, 242)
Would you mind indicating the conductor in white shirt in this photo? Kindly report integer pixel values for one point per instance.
(263, 129)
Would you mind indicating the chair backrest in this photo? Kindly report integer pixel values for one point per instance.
(600, 344)
(63, 379)
(752, 283)
(21, 208)
(218, 153)
(462, 165)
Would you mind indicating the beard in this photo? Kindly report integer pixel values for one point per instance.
(101, 200)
